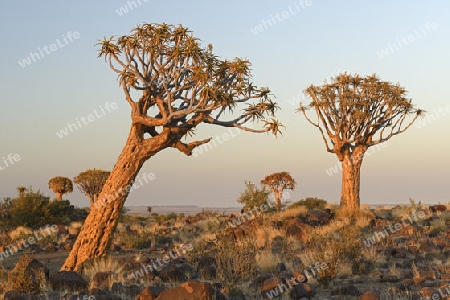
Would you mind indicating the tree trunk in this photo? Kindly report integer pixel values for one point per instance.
(96, 234)
(59, 196)
(351, 179)
(277, 200)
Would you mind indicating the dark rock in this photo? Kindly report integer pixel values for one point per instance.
(132, 290)
(102, 280)
(436, 208)
(389, 278)
(319, 217)
(303, 290)
(294, 230)
(349, 290)
(12, 295)
(68, 280)
(144, 245)
(280, 267)
(177, 270)
(208, 272)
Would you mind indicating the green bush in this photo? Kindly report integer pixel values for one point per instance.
(310, 203)
(164, 218)
(33, 209)
(253, 196)
(29, 210)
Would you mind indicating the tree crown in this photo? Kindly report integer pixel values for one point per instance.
(61, 185)
(182, 84)
(279, 181)
(358, 111)
(90, 182)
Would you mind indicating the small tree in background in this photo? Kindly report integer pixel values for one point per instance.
(21, 189)
(90, 183)
(60, 186)
(149, 210)
(277, 183)
(253, 196)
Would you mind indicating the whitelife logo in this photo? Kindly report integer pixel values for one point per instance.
(35, 56)
(9, 161)
(86, 120)
(20, 245)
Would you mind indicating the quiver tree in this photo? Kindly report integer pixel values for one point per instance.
(21, 189)
(172, 85)
(60, 186)
(90, 183)
(149, 210)
(277, 183)
(355, 113)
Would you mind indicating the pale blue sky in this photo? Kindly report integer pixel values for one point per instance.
(304, 48)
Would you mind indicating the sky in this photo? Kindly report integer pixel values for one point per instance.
(52, 77)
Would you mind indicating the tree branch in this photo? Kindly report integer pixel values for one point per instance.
(187, 148)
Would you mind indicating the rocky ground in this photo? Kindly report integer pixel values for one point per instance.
(300, 253)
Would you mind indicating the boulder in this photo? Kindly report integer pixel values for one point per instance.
(12, 295)
(303, 290)
(348, 290)
(68, 280)
(270, 284)
(102, 280)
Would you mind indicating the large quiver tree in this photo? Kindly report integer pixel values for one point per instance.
(172, 85)
(353, 114)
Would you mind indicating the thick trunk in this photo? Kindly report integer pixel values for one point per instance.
(351, 179)
(59, 196)
(95, 236)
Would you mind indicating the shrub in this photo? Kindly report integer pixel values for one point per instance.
(33, 209)
(30, 209)
(24, 279)
(253, 196)
(236, 260)
(336, 247)
(310, 203)
(164, 218)
(59, 212)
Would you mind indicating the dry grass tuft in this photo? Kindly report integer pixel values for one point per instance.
(264, 235)
(292, 212)
(74, 227)
(105, 264)
(267, 261)
(208, 224)
(19, 232)
(439, 224)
